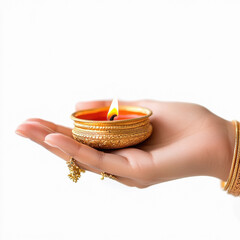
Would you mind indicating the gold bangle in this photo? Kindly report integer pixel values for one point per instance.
(233, 183)
(226, 185)
(234, 187)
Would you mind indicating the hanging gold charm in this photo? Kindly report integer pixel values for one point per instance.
(74, 170)
(103, 174)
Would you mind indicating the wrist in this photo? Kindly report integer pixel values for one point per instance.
(227, 152)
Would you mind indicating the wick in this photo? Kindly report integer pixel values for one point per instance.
(112, 117)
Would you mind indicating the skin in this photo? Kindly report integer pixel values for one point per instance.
(187, 140)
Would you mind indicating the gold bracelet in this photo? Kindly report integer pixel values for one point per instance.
(226, 185)
(232, 185)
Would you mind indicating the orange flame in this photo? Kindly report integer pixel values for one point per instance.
(113, 110)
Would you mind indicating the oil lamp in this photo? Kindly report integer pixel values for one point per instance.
(112, 128)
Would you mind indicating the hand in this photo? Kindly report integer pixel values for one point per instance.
(187, 140)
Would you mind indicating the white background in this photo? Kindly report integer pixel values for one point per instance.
(55, 53)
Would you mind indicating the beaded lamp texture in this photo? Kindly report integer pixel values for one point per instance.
(112, 134)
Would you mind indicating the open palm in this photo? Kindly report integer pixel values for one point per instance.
(187, 140)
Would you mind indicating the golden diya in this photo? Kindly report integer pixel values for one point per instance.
(112, 128)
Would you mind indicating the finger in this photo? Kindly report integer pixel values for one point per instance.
(106, 162)
(102, 103)
(37, 133)
(52, 126)
(92, 104)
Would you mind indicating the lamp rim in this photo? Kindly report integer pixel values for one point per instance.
(135, 109)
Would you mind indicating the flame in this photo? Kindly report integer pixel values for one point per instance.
(113, 110)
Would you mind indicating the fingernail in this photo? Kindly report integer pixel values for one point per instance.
(50, 144)
(53, 145)
(20, 133)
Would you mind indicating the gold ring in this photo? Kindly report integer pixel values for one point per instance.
(74, 170)
(103, 174)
